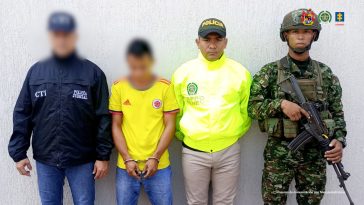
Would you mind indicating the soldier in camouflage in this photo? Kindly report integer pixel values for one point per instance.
(279, 115)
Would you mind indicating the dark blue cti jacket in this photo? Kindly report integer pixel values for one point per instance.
(63, 105)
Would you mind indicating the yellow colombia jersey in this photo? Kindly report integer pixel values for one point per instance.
(213, 100)
(143, 112)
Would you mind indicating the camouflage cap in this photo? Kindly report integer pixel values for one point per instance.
(212, 25)
(300, 19)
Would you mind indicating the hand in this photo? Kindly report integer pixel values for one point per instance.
(151, 167)
(133, 169)
(20, 166)
(336, 153)
(101, 168)
(293, 111)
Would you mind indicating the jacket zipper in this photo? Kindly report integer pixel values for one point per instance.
(60, 115)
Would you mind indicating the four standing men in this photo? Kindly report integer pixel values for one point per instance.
(64, 104)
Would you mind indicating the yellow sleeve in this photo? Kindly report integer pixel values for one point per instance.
(170, 102)
(177, 91)
(115, 104)
(245, 94)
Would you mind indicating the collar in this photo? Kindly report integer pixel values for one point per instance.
(212, 64)
(295, 70)
(65, 60)
(147, 87)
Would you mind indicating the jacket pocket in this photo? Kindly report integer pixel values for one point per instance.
(273, 126)
(40, 89)
(79, 90)
(78, 94)
(290, 128)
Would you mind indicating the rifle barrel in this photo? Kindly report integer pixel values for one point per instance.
(342, 183)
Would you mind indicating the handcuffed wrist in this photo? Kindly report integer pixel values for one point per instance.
(129, 160)
(155, 158)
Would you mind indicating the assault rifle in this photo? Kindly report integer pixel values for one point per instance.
(313, 128)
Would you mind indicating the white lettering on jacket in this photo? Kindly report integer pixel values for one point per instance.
(80, 94)
(41, 93)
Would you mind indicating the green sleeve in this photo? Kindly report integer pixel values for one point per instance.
(336, 107)
(262, 104)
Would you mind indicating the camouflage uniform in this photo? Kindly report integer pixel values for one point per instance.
(307, 166)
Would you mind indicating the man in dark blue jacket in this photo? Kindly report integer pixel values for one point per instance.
(63, 104)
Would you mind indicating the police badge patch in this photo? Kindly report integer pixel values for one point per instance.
(324, 17)
(192, 88)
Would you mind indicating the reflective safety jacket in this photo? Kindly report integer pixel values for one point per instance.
(213, 99)
(64, 104)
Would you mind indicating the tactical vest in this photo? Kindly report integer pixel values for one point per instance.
(311, 89)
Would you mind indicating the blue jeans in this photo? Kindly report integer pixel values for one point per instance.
(158, 187)
(80, 179)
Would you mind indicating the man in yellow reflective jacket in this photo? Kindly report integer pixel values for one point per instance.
(212, 92)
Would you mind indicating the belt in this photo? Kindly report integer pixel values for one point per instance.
(193, 149)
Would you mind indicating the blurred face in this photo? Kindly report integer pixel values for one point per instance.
(300, 38)
(63, 43)
(212, 46)
(140, 67)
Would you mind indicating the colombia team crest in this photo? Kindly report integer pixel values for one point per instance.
(157, 103)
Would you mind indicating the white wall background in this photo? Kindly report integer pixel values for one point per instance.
(252, 26)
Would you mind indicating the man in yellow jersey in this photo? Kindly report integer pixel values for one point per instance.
(143, 124)
(212, 92)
